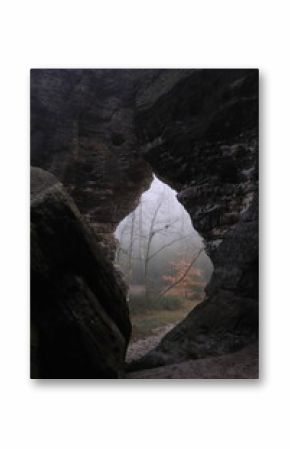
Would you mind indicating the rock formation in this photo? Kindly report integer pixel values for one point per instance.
(202, 138)
(79, 317)
(103, 132)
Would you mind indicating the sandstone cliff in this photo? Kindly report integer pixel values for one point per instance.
(103, 132)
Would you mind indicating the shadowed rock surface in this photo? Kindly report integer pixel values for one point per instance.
(79, 317)
(82, 131)
(102, 132)
(243, 364)
(202, 138)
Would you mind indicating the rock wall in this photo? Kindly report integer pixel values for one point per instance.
(82, 131)
(202, 138)
(102, 132)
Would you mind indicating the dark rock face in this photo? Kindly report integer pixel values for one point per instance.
(79, 317)
(202, 138)
(103, 131)
(82, 131)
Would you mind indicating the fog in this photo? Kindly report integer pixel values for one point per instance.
(158, 246)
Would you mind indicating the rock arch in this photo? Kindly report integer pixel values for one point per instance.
(198, 130)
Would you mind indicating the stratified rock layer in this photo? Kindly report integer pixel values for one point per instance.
(103, 131)
(82, 131)
(202, 138)
(79, 317)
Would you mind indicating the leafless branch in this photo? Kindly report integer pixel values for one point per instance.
(167, 245)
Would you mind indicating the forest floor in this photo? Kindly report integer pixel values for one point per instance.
(140, 347)
(150, 327)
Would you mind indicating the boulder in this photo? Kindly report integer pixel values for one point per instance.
(80, 325)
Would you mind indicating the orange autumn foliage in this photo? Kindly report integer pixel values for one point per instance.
(188, 284)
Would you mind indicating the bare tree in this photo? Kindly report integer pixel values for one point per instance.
(153, 231)
(151, 234)
(130, 252)
(146, 234)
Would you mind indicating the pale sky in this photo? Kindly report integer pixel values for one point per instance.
(171, 212)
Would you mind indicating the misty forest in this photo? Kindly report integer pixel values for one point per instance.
(164, 263)
(144, 224)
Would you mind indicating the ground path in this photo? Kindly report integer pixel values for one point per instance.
(140, 347)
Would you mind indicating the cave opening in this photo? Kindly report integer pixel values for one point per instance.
(165, 265)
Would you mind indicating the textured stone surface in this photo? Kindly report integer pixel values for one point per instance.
(103, 131)
(82, 125)
(202, 138)
(79, 317)
(243, 364)
(82, 131)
